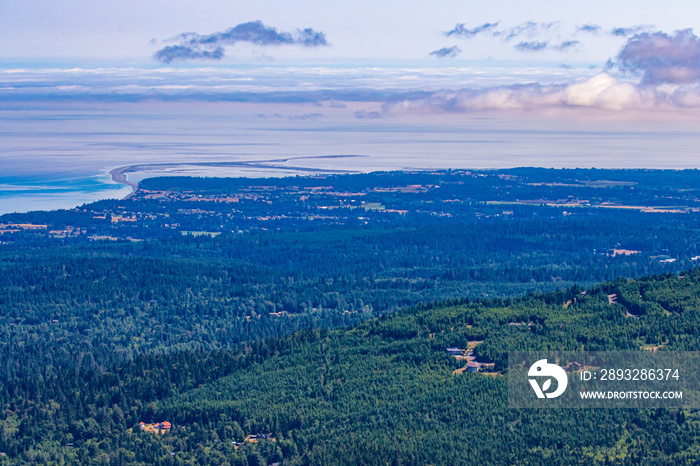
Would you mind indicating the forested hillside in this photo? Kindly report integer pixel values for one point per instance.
(383, 392)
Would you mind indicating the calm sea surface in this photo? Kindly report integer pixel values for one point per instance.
(61, 158)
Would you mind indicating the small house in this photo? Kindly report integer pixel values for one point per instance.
(472, 366)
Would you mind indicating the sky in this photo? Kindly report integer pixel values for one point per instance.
(394, 56)
(130, 31)
(87, 86)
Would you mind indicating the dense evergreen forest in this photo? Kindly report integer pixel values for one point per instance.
(305, 308)
(382, 392)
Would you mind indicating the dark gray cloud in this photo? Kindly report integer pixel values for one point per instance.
(210, 46)
(258, 33)
(446, 52)
(533, 46)
(461, 31)
(662, 58)
(566, 45)
(589, 28)
(629, 31)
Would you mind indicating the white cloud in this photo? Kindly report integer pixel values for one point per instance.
(602, 92)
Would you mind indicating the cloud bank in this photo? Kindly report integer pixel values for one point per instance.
(654, 74)
(599, 92)
(211, 46)
(669, 66)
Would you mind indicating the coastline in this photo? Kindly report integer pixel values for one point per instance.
(68, 197)
(119, 174)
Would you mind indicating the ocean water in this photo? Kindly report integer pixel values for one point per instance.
(18, 194)
(61, 157)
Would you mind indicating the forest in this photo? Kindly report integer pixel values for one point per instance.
(318, 310)
(381, 392)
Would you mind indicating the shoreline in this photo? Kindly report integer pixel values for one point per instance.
(119, 174)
